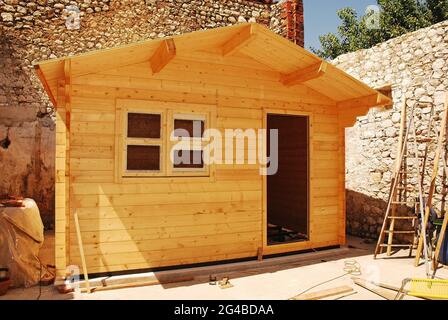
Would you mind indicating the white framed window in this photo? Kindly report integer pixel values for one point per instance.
(161, 139)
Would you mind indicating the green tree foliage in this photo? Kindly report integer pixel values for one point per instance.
(397, 17)
(438, 10)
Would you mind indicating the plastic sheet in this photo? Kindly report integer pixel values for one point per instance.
(21, 237)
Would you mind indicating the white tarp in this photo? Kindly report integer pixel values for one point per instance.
(21, 237)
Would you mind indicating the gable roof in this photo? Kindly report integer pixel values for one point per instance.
(294, 64)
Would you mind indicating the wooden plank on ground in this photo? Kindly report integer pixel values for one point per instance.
(137, 284)
(324, 293)
(375, 289)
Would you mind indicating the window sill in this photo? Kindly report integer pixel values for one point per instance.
(166, 179)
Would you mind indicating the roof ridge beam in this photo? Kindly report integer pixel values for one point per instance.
(245, 36)
(304, 74)
(163, 55)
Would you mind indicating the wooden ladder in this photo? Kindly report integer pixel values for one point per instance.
(442, 234)
(440, 153)
(401, 188)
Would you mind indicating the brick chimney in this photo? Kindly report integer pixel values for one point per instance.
(292, 17)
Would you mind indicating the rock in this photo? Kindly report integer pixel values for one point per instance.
(419, 92)
(7, 17)
(438, 64)
(369, 134)
(439, 97)
(21, 10)
(426, 99)
(8, 8)
(391, 132)
(274, 22)
(376, 177)
(396, 117)
(426, 110)
(387, 123)
(241, 19)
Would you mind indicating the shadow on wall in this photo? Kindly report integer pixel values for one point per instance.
(365, 216)
(27, 135)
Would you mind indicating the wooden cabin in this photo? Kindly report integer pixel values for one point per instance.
(120, 196)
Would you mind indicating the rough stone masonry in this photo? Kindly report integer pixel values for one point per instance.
(35, 30)
(416, 66)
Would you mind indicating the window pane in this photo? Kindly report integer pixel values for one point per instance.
(188, 159)
(195, 128)
(142, 125)
(143, 158)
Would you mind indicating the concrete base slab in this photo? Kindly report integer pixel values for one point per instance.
(276, 280)
(216, 270)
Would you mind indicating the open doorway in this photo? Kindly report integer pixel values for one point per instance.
(288, 190)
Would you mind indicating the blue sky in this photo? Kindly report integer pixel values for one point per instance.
(321, 17)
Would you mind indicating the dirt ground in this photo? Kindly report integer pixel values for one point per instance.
(275, 281)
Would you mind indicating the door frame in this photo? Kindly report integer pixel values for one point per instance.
(294, 246)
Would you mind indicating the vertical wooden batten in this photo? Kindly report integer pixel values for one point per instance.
(69, 191)
(341, 186)
(61, 222)
(67, 104)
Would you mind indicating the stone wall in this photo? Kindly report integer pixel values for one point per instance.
(35, 30)
(416, 65)
(26, 135)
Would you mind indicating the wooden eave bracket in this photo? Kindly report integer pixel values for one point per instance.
(353, 108)
(163, 55)
(44, 82)
(370, 101)
(305, 74)
(241, 39)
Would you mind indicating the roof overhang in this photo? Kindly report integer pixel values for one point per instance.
(294, 64)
